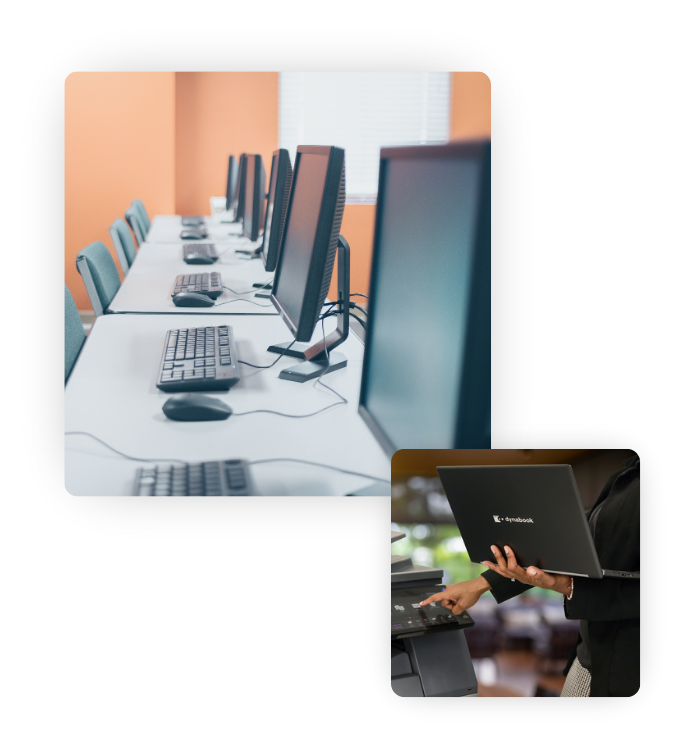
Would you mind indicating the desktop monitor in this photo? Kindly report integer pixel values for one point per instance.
(232, 182)
(310, 238)
(277, 207)
(426, 380)
(254, 199)
(240, 204)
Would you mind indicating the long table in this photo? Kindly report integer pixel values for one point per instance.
(112, 395)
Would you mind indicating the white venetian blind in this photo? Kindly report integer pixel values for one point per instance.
(362, 112)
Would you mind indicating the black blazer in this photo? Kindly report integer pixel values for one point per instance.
(611, 606)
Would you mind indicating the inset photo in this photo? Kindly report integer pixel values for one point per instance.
(515, 573)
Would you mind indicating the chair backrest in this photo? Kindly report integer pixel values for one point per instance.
(75, 334)
(139, 206)
(123, 243)
(100, 275)
(134, 220)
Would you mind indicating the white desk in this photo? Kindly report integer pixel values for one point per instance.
(148, 286)
(165, 228)
(112, 394)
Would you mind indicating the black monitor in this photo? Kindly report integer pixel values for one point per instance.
(277, 207)
(232, 182)
(426, 380)
(254, 198)
(240, 203)
(306, 256)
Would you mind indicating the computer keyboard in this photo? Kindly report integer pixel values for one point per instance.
(198, 359)
(201, 249)
(207, 283)
(218, 478)
(193, 221)
(194, 233)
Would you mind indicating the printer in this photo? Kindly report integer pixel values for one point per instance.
(430, 657)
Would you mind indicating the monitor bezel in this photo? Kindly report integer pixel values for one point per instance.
(229, 203)
(240, 206)
(257, 190)
(334, 170)
(477, 148)
(281, 157)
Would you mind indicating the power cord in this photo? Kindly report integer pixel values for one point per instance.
(269, 366)
(129, 457)
(240, 299)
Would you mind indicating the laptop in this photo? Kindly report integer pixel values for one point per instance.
(535, 509)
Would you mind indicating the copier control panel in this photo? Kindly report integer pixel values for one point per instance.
(408, 617)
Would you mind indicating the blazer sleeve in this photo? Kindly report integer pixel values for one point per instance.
(502, 588)
(603, 599)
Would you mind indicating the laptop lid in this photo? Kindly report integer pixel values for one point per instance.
(535, 509)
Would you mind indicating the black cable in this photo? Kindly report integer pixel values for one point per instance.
(359, 320)
(257, 366)
(129, 457)
(250, 291)
(318, 465)
(250, 462)
(354, 306)
(358, 294)
(240, 299)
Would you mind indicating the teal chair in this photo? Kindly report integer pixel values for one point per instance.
(96, 266)
(124, 244)
(75, 334)
(135, 221)
(141, 209)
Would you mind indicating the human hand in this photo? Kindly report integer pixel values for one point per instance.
(461, 596)
(532, 575)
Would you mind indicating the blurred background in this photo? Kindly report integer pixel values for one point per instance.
(519, 647)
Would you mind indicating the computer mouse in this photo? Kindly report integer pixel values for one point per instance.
(195, 234)
(192, 299)
(196, 407)
(198, 258)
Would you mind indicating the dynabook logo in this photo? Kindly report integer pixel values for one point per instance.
(511, 519)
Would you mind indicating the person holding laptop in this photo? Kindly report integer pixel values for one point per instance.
(605, 662)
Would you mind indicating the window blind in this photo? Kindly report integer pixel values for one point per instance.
(362, 112)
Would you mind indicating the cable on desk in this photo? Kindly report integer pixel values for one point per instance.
(241, 299)
(341, 402)
(250, 291)
(257, 366)
(318, 465)
(129, 457)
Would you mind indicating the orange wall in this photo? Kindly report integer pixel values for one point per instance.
(165, 137)
(470, 105)
(119, 146)
(220, 114)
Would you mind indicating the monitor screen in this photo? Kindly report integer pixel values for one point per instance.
(270, 207)
(426, 378)
(249, 228)
(232, 181)
(240, 203)
(300, 233)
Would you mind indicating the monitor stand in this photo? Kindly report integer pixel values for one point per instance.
(317, 362)
(250, 253)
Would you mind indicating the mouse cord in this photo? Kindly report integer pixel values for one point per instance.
(122, 454)
(250, 291)
(251, 462)
(317, 465)
(241, 299)
(257, 366)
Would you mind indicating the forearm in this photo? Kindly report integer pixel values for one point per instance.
(604, 599)
(483, 584)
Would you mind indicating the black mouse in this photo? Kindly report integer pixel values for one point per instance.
(192, 299)
(193, 234)
(196, 407)
(198, 258)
